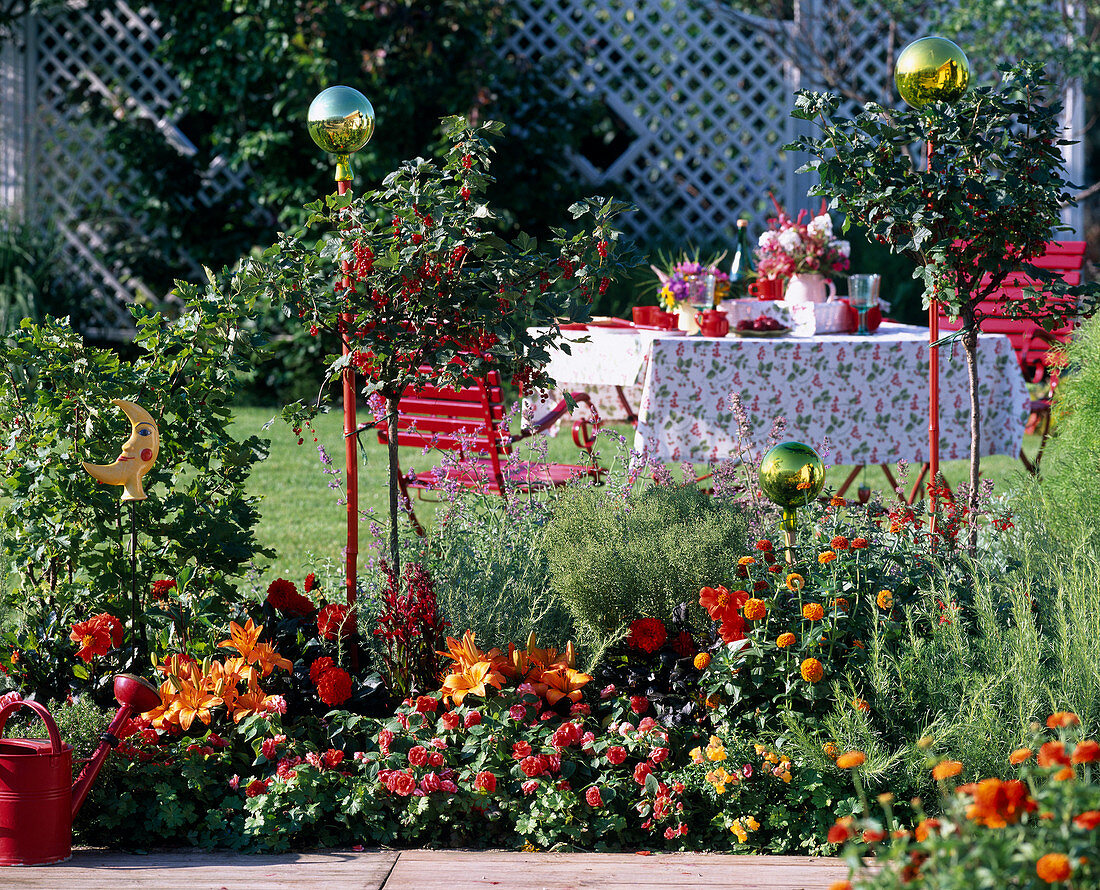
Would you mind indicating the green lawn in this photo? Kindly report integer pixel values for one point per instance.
(301, 516)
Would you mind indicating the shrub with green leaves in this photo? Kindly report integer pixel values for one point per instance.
(64, 536)
(613, 558)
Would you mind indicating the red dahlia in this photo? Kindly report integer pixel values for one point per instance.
(647, 634)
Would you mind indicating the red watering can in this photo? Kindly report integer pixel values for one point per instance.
(37, 801)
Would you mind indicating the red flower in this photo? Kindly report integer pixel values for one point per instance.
(418, 756)
(641, 771)
(764, 546)
(593, 798)
(283, 596)
(318, 667)
(161, 587)
(839, 543)
(521, 750)
(486, 782)
(472, 719)
(310, 583)
(403, 784)
(732, 628)
(426, 704)
(858, 543)
(335, 619)
(841, 831)
(1088, 820)
(683, 645)
(647, 634)
(531, 766)
(616, 754)
(334, 686)
(113, 627)
(94, 638)
(639, 704)
(256, 787)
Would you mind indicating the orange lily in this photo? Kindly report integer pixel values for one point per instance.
(465, 653)
(243, 639)
(471, 681)
(561, 682)
(192, 702)
(252, 702)
(267, 659)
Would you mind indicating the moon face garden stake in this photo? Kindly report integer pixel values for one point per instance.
(139, 453)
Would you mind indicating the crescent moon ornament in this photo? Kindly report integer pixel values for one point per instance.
(139, 452)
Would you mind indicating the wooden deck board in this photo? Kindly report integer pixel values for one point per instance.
(424, 870)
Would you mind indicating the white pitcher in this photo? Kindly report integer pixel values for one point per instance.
(809, 287)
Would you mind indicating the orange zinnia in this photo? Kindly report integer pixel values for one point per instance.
(826, 556)
(785, 640)
(813, 611)
(811, 670)
(755, 609)
(946, 769)
(1062, 719)
(996, 803)
(1053, 867)
(702, 661)
(795, 582)
(1087, 751)
(1053, 754)
(851, 759)
(1019, 756)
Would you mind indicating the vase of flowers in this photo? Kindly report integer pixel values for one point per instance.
(803, 252)
(687, 287)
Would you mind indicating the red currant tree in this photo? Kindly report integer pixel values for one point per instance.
(434, 295)
(980, 210)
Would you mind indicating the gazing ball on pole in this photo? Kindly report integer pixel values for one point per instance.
(932, 69)
(792, 474)
(341, 121)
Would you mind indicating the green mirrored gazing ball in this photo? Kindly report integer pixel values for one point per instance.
(932, 69)
(341, 120)
(791, 474)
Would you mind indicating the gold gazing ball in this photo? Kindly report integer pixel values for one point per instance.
(932, 69)
(341, 121)
(791, 474)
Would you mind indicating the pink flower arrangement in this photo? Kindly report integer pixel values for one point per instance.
(794, 246)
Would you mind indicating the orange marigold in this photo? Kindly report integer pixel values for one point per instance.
(859, 543)
(755, 609)
(785, 640)
(1053, 867)
(885, 600)
(851, 759)
(839, 543)
(812, 671)
(835, 501)
(826, 556)
(860, 704)
(1087, 751)
(996, 803)
(746, 561)
(1019, 756)
(841, 603)
(813, 611)
(702, 661)
(924, 828)
(795, 582)
(1088, 820)
(1062, 719)
(945, 769)
(830, 750)
(841, 831)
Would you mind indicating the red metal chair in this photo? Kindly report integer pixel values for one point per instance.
(1031, 342)
(471, 421)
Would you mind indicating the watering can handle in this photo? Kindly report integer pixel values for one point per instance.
(47, 719)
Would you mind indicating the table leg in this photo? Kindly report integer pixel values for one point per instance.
(847, 482)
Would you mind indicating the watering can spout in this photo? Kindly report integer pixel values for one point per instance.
(135, 696)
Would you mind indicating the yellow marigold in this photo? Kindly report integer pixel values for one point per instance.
(885, 600)
(1062, 719)
(755, 609)
(812, 671)
(696, 755)
(1019, 756)
(826, 556)
(813, 611)
(746, 561)
(1053, 867)
(851, 759)
(945, 769)
(795, 582)
(785, 640)
(702, 661)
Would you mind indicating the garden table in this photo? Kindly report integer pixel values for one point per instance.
(859, 399)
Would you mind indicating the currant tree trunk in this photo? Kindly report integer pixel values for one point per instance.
(970, 345)
(391, 436)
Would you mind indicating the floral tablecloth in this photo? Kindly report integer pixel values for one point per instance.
(866, 396)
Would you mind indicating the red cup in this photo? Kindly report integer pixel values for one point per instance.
(668, 321)
(645, 315)
(767, 288)
(714, 323)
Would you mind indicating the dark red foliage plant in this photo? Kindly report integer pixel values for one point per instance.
(411, 630)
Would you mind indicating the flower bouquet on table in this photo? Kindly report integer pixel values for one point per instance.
(689, 286)
(793, 247)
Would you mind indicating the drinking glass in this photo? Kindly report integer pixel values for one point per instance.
(863, 294)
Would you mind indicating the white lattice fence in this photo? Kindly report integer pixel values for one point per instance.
(700, 96)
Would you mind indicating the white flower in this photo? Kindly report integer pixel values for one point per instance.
(842, 247)
(769, 240)
(790, 240)
(821, 227)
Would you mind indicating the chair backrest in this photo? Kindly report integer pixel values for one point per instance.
(1064, 258)
(468, 420)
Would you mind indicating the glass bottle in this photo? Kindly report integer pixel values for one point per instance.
(741, 273)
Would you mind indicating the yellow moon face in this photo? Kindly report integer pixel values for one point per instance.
(137, 457)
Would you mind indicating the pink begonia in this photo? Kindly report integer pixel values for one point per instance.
(431, 782)
(658, 756)
(607, 691)
(616, 754)
(451, 720)
(385, 739)
(235, 782)
(517, 712)
(646, 724)
(530, 786)
(472, 719)
(448, 786)
(580, 709)
(418, 755)
(439, 743)
(268, 748)
(526, 688)
(593, 798)
(435, 759)
(274, 704)
(8, 697)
